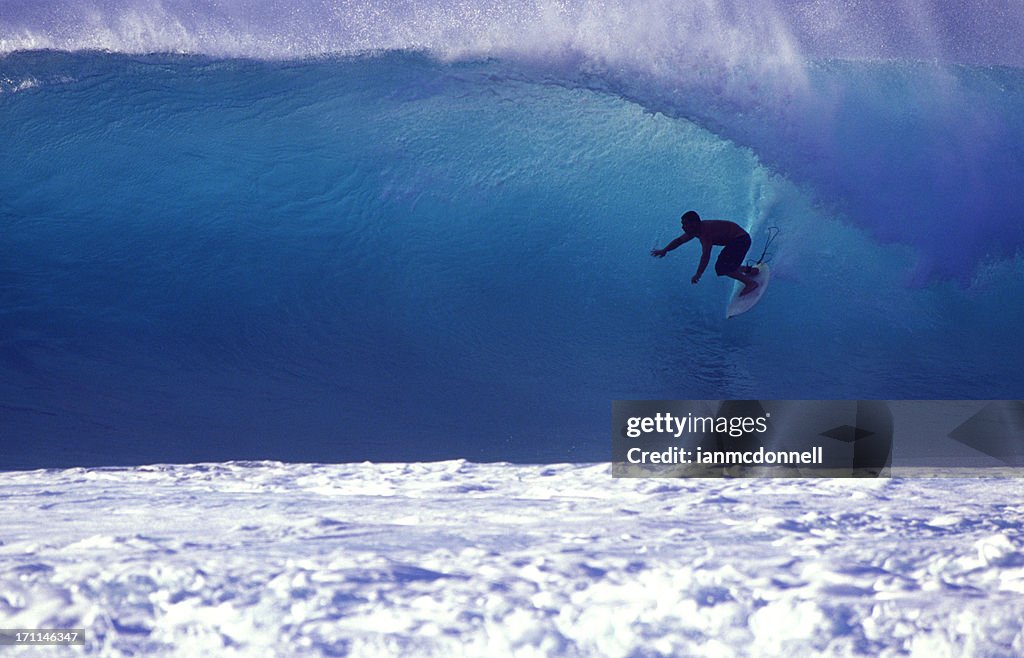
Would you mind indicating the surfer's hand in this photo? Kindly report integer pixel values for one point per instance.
(695, 279)
(658, 253)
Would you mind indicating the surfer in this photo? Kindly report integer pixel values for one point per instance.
(720, 233)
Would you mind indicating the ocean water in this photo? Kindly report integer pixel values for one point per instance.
(337, 231)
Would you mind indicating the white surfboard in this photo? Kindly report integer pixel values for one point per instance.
(743, 304)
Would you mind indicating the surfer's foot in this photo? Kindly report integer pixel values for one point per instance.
(751, 271)
(750, 287)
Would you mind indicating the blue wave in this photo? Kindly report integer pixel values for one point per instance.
(392, 256)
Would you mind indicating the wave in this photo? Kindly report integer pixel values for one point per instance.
(398, 256)
(924, 153)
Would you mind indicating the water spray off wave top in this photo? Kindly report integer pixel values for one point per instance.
(270, 224)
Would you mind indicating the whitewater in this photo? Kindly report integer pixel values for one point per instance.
(461, 559)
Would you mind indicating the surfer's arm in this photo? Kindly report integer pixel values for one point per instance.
(705, 258)
(681, 240)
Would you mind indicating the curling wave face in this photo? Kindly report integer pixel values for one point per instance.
(923, 148)
(413, 255)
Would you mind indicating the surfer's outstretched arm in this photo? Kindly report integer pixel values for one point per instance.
(705, 258)
(681, 240)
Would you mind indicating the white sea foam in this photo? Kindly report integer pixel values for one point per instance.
(262, 558)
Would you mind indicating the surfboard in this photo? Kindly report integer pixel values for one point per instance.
(743, 304)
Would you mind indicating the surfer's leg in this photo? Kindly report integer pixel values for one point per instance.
(729, 264)
(731, 258)
(748, 281)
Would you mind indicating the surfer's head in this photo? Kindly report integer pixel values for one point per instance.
(691, 222)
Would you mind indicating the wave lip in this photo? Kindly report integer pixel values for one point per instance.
(655, 36)
(662, 35)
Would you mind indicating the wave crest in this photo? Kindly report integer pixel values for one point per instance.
(659, 35)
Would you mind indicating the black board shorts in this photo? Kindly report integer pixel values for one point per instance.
(732, 256)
